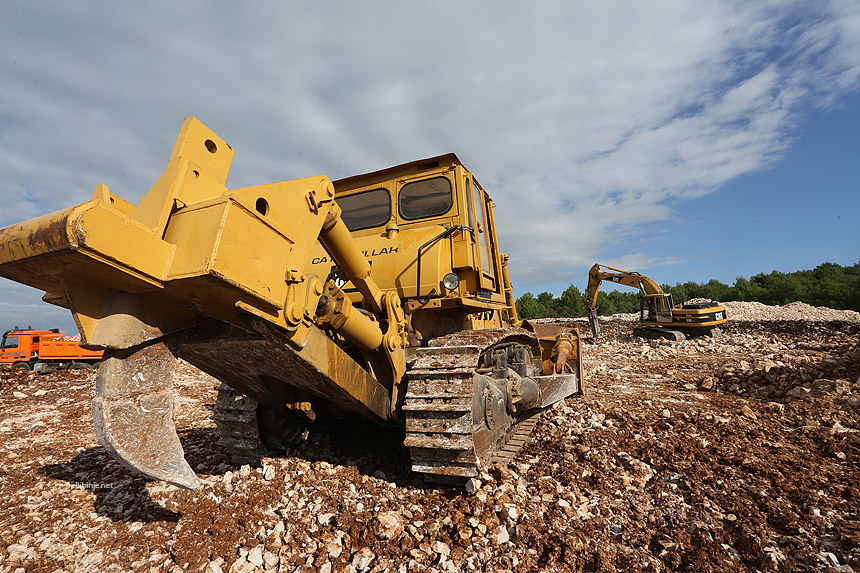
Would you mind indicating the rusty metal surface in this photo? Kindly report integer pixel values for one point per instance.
(438, 413)
(492, 420)
(485, 338)
(36, 236)
(133, 414)
(266, 367)
(518, 436)
(447, 430)
(446, 357)
(557, 387)
(546, 330)
(32, 252)
(238, 429)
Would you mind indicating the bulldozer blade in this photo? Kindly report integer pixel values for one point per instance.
(133, 414)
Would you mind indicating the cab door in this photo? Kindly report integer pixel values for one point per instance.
(664, 308)
(486, 239)
(25, 346)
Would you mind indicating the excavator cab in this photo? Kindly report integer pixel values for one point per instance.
(658, 307)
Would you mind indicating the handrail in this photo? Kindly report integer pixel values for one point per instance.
(447, 232)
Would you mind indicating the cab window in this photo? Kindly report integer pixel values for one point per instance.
(365, 209)
(10, 342)
(484, 232)
(426, 198)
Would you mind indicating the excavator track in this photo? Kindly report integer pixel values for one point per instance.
(446, 442)
(654, 333)
(518, 437)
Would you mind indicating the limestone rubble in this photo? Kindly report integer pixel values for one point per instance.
(736, 453)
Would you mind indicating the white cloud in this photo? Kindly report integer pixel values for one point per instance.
(22, 306)
(585, 121)
(846, 57)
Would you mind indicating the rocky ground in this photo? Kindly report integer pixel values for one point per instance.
(738, 453)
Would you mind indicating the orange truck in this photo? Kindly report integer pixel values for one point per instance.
(45, 351)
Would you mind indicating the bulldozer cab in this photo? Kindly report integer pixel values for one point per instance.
(655, 307)
(427, 228)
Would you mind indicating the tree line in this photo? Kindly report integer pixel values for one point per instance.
(828, 284)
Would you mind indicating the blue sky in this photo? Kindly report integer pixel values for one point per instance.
(793, 215)
(686, 140)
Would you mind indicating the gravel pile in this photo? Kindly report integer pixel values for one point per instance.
(647, 472)
(789, 374)
(12, 377)
(758, 311)
(791, 311)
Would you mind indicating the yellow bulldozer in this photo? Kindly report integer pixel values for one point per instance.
(658, 316)
(383, 294)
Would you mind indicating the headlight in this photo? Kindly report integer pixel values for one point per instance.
(450, 281)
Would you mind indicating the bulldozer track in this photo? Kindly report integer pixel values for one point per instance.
(235, 414)
(438, 409)
(517, 437)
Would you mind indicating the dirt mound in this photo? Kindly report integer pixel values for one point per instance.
(746, 311)
(791, 311)
(647, 472)
(785, 377)
(13, 377)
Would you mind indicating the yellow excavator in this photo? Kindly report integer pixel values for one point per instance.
(658, 316)
(383, 294)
